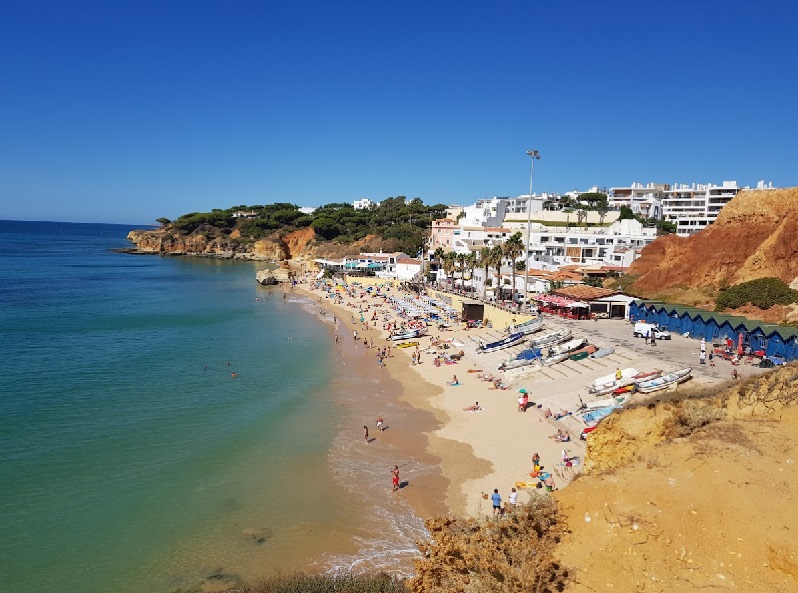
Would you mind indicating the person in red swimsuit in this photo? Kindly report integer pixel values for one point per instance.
(395, 472)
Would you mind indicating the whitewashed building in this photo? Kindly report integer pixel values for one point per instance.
(642, 199)
(364, 204)
(694, 207)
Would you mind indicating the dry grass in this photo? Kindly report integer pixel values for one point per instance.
(510, 554)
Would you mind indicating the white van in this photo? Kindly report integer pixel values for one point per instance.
(659, 332)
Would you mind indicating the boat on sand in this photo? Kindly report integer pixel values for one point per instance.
(664, 381)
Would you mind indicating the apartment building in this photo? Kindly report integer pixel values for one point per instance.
(694, 207)
(642, 199)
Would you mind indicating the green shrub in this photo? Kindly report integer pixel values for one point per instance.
(762, 293)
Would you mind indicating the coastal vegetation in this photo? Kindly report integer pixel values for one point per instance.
(404, 221)
(762, 293)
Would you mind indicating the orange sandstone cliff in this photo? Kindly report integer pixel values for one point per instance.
(755, 236)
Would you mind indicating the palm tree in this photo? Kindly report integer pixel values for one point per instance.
(471, 263)
(513, 247)
(568, 212)
(581, 216)
(496, 256)
(448, 265)
(602, 212)
(485, 260)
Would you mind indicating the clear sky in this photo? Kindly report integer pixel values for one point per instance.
(129, 111)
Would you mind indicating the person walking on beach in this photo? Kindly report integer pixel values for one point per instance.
(366, 433)
(513, 498)
(354, 333)
(497, 502)
(413, 359)
(395, 477)
(702, 356)
(648, 335)
(379, 422)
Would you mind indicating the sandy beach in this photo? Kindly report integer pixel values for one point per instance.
(492, 448)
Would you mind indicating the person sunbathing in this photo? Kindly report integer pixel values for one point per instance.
(562, 414)
(454, 382)
(475, 408)
(547, 413)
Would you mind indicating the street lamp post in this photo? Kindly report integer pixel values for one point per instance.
(535, 157)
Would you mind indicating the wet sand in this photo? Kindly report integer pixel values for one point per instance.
(493, 448)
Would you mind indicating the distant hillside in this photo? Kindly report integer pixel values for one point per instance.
(281, 231)
(755, 236)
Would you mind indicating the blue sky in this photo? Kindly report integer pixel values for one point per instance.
(125, 112)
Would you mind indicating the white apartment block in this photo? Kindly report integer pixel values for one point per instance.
(694, 207)
(618, 244)
(488, 212)
(642, 199)
(364, 204)
(466, 239)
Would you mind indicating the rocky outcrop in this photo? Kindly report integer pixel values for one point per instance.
(272, 277)
(211, 242)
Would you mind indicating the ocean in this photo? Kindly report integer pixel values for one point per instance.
(166, 419)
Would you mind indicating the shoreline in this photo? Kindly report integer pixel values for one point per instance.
(478, 452)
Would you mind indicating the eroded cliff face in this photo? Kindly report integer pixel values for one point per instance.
(689, 494)
(209, 242)
(755, 236)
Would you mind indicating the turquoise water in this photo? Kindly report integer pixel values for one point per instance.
(130, 458)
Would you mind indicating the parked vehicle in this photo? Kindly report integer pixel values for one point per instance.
(658, 331)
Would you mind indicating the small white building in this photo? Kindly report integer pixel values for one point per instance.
(364, 204)
(408, 269)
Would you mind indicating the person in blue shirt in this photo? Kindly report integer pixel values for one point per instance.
(497, 501)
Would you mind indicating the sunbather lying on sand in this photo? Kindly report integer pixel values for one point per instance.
(562, 414)
(475, 408)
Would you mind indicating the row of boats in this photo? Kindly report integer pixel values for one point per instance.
(559, 345)
(632, 380)
(621, 389)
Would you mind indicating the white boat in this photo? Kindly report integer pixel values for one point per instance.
(550, 338)
(664, 381)
(610, 380)
(567, 346)
(410, 334)
(610, 401)
(527, 327)
(510, 340)
(562, 351)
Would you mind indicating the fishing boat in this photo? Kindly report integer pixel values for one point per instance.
(550, 338)
(608, 383)
(510, 340)
(602, 352)
(582, 353)
(523, 359)
(410, 334)
(610, 401)
(562, 351)
(568, 346)
(527, 327)
(664, 381)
